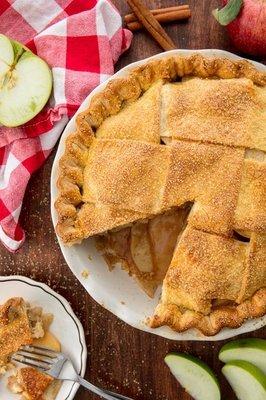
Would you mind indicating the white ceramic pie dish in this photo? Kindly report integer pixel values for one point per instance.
(66, 327)
(115, 290)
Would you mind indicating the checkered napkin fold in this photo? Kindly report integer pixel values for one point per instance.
(80, 40)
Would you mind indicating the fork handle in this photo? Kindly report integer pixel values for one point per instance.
(116, 395)
(106, 394)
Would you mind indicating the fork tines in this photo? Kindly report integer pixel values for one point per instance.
(39, 350)
(36, 356)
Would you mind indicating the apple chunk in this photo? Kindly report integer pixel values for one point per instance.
(247, 381)
(252, 350)
(26, 90)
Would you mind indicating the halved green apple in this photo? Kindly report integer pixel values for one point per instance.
(194, 375)
(252, 350)
(247, 381)
(25, 83)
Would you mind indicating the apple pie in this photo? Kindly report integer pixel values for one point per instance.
(21, 324)
(167, 170)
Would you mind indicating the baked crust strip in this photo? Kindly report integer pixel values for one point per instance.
(118, 93)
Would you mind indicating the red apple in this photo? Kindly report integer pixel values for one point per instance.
(248, 30)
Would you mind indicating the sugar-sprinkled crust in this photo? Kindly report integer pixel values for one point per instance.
(233, 108)
(140, 120)
(30, 383)
(117, 94)
(116, 152)
(231, 275)
(15, 329)
(231, 316)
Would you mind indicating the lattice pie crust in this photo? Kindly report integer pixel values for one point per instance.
(187, 136)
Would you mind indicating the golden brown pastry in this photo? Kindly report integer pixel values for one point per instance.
(224, 111)
(30, 383)
(130, 122)
(15, 327)
(178, 133)
(213, 282)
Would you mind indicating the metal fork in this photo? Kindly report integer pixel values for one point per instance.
(51, 363)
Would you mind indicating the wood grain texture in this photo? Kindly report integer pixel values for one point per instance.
(120, 358)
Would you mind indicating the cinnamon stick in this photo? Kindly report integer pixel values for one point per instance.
(166, 17)
(132, 17)
(149, 22)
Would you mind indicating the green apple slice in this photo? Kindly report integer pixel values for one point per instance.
(26, 92)
(194, 375)
(6, 57)
(247, 381)
(252, 350)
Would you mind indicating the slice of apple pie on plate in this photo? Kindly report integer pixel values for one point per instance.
(167, 169)
(26, 320)
(21, 324)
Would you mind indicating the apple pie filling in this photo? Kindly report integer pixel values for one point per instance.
(146, 248)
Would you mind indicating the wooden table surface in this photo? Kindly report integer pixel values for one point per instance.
(119, 357)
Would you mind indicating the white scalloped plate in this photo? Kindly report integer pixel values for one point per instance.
(115, 290)
(66, 327)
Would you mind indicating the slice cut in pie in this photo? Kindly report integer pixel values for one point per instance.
(145, 249)
(21, 325)
(167, 169)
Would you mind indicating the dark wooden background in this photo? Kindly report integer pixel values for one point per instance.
(120, 358)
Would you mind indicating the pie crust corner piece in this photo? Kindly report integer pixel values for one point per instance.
(179, 140)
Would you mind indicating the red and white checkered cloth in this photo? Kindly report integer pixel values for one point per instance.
(80, 40)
